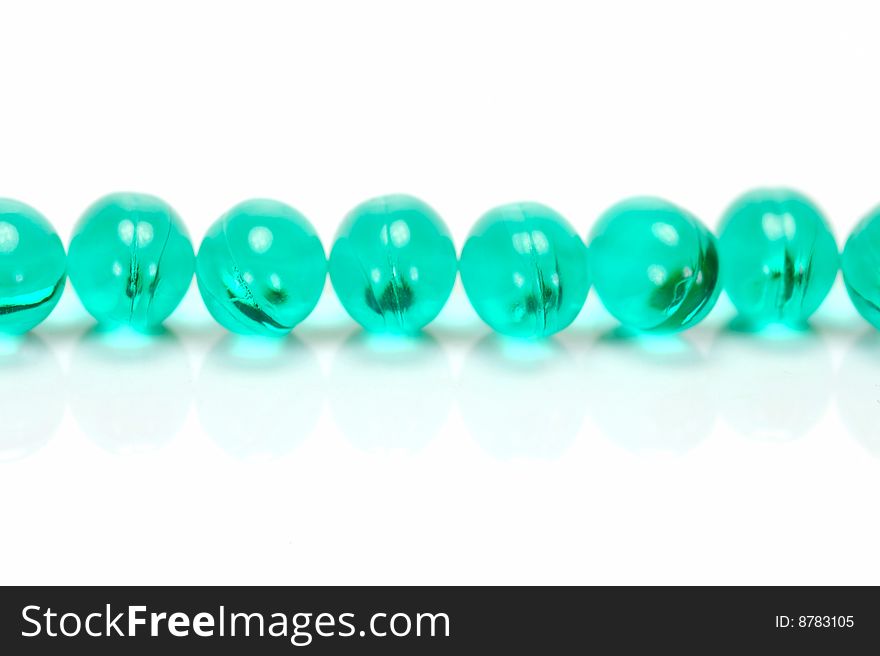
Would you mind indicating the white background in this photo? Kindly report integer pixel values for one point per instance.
(714, 457)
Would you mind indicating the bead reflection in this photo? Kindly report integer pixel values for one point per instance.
(129, 392)
(521, 399)
(390, 392)
(257, 397)
(649, 392)
(31, 395)
(771, 385)
(858, 391)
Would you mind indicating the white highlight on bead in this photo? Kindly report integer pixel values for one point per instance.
(397, 234)
(665, 233)
(144, 233)
(260, 239)
(125, 230)
(527, 242)
(657, 274)
(8, 237)
(777, 226)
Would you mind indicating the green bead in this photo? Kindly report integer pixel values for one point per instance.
(654, 265)
(130, 260)
(525, 270)
(261, 268)
(861, 267)
(778, 256)
(32, 267)
(393, 264)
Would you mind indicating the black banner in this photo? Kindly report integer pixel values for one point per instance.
(446, 620)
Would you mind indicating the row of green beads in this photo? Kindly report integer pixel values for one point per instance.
(261, 267)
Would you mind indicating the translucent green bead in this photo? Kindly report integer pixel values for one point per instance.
(525, 270)
(130, 260)
(261, 268)
(654, 265)
(32, 267)
(861, 267)
(778, 256)
(393, 264)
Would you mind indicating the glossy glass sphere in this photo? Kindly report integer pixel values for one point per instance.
(525, 270)
(261, 268)
(778, 256)
(393, 264)
(654, 265)
(861, 267)
(130, 260)
(32, 267)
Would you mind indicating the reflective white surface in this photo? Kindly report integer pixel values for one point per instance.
(714, 457)
(334, 456)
